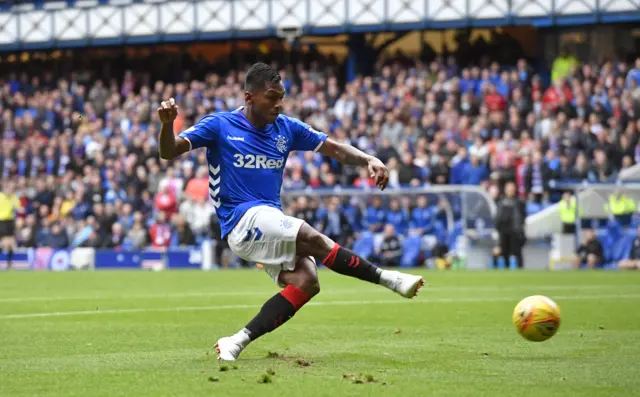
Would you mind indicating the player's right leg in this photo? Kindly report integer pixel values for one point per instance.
(301, 284)
(341, 260)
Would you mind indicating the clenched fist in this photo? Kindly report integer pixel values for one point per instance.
(379, 172)
(168, 111)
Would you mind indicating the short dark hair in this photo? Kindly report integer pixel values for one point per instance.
(259, 75)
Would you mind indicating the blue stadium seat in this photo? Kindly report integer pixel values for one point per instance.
(410, 251)
(533, 208)
(440, 230)
(614, 227)
(457, 231)
(617, 249)
(363, 246)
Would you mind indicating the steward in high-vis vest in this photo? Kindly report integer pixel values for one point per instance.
(621, 207)
(568, 213)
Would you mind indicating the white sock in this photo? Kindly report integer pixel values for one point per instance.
(242, 337)
(388, 278)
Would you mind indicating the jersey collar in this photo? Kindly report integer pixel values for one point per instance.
(247, 123)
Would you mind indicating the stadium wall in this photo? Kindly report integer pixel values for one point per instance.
(49, 259)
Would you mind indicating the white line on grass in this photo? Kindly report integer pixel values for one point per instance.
(352, 291)
(328, 303)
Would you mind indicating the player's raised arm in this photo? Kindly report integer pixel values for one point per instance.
(169, 145)
(347, 154)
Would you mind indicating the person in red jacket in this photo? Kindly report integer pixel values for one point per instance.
(494, 101)
(364, 181)
(160, 232)
(165, 201)
(554, 95)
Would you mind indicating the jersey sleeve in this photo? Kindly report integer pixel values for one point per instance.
(305, 138)
(204, 133)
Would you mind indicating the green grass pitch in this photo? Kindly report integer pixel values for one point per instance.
(151, 334)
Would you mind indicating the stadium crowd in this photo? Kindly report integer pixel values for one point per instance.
(79, 160)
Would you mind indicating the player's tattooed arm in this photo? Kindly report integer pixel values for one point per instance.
(169, 145)
(347, 154)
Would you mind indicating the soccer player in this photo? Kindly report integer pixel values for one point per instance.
(246, 151)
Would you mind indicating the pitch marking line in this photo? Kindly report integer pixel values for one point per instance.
(337, 292)
(328, 303)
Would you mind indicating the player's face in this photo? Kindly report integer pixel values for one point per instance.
(268, 103)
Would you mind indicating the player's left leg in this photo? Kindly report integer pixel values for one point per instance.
(341, 260)
(301, 284)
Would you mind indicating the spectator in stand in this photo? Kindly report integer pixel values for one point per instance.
(564, 171)
(537, 179)
(394, 174)
(116, 238)
(160, 232)
(633, 262)
(493, 100)
(198, 216)
(564, 65)
(136, 237)
(475, 172)
(398, 217)
(198, 187)
(334, 223)
(364, 180)
(479, 150)
(408, 171)
(391, 247)
(171, 184)
(421, 221)
(633, 77)
(440, 171)
(56, 237)
(184, 235)
(43, 233)
(304, 211)
(166, 201)
(44, 196)
(556, 95)
(375, 215)
(590, 252)
(458, 165)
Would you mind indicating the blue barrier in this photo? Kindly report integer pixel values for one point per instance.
(89, 258)
(21, 261)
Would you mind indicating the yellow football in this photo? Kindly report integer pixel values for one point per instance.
(537, 318)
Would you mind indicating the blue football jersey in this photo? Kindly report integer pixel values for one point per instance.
(246, 164)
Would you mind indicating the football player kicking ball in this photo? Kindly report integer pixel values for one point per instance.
(246, 151)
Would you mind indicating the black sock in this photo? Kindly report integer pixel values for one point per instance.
(9, 257)
(277, 311)
(344, 261)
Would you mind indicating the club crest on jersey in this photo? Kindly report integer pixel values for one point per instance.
(286, 223)
(281, 144)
